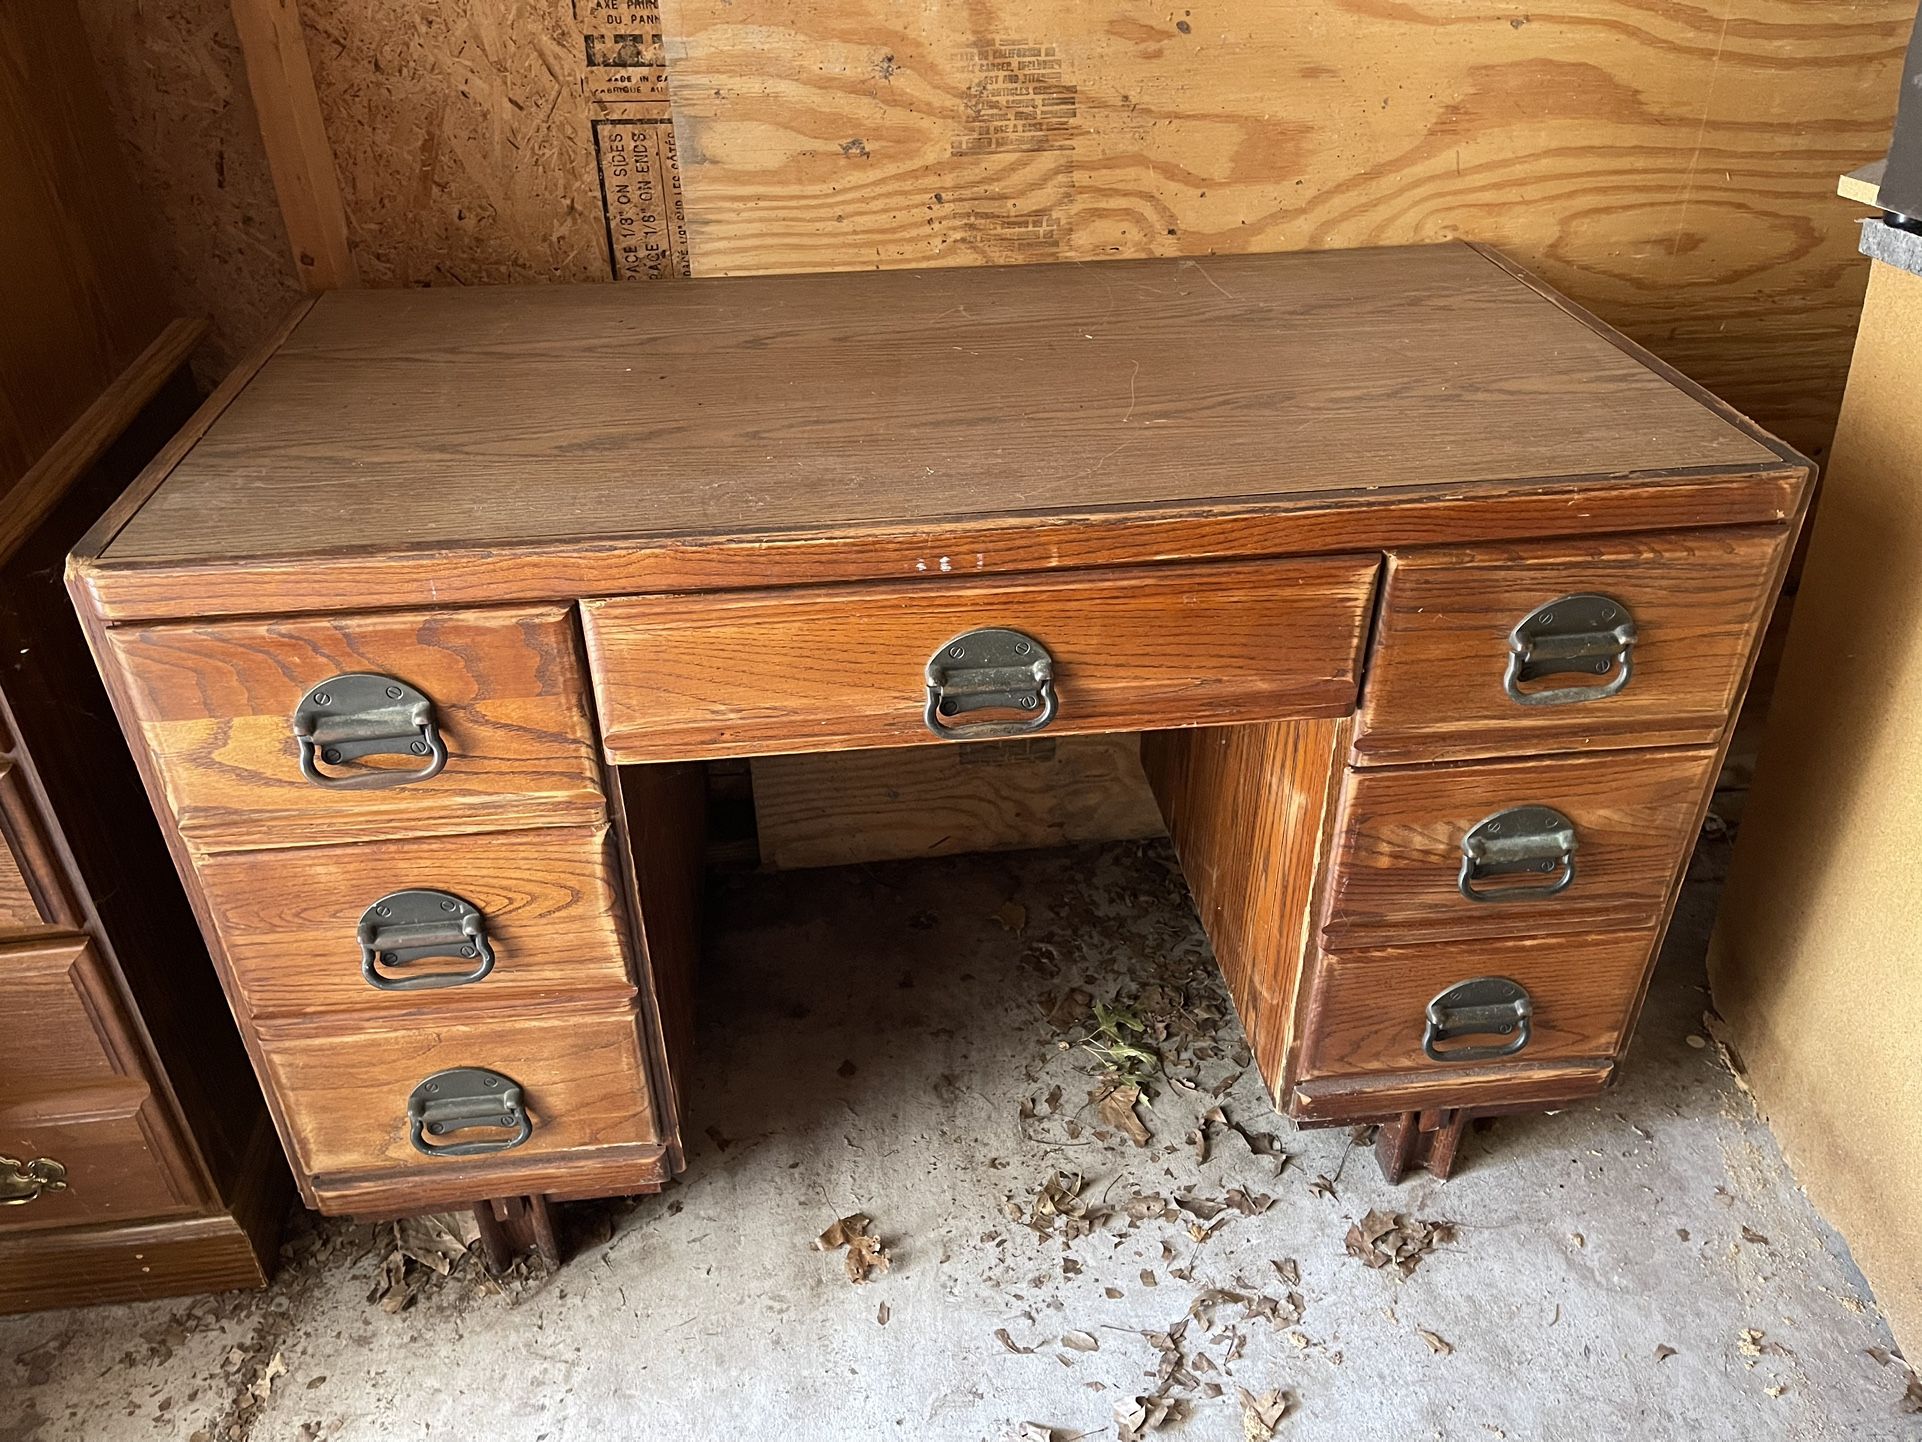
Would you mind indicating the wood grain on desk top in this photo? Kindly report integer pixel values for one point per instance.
(472, 419)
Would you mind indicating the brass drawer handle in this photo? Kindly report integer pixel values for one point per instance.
(1485, 1006)
(1520, 840)
(462, 1099)
(990, 668)
(347, 717)
(23, 1182)
(404, 927)
(1584, 633)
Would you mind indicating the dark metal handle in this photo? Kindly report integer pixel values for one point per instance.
(409, 926)
(1514, 842)
(992, 667)
(23, 1182)
(462, 1099)
(1485, 1006)
(1584, 633)
(360, 714)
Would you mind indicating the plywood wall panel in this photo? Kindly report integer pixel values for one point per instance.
(482, 142)
(176, 91)
(1667, 164)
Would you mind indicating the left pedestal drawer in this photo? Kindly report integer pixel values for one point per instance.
(310, 731)
(469, 923)
(414, 1102)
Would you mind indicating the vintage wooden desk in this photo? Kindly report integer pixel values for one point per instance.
(1434, 597)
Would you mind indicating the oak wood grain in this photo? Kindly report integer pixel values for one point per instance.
(1248, 809)
(661, 815)
(406, 420)
(1396, 862)
(1435, 674)
(835, 669)
(215, 704)
(1329, 1100)
(1394, 515)
(550, 898)
(345, 1095)
(1367, 1009)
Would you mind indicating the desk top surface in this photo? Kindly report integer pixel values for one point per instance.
(436, 423)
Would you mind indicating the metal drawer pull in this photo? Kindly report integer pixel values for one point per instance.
(1519, 840)
(460, 1100)
(23, 1182)
(409, 926)
(990, 668)
(348, 717)
(1486, 1006)
(1583, 633)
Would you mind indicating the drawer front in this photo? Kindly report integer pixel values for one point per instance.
(541, 918)
(1370, 1009)
(32, 891)
(759, 672)
(61, 1019)
(503, 690)
(1455, 623)
(110, 1162)
(344, 1099)
(1411, 841)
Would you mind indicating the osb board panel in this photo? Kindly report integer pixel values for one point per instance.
(75, 284)
(840, 808)
(1667, 165)
(1816, 950)
(491, 141)
(177, 92)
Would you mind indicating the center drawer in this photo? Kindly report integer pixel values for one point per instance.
(526, 914)
(750, 673)
(1512, 848)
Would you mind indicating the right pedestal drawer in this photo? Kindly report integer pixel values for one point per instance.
(1511, 848)
(1566, 645)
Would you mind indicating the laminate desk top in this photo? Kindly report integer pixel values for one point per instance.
(448, 444)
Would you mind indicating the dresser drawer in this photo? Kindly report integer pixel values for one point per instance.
(841, 667)
(61, 1023)
(108, 1159)
(525, 914)
(500, 692)
(33, 893)
(1483, 849)
(1370, 1009)
(1494, 650)
(345, 1098)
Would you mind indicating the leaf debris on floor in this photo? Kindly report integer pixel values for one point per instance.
(863, 1256)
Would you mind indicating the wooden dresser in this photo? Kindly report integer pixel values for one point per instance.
(1433, 597)
(135, 1156)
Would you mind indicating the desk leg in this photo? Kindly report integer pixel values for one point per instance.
(1428, 1140)
(511, 1227)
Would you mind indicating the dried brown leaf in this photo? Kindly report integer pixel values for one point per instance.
(1118, 1111)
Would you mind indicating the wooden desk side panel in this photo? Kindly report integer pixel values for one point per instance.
(1249, 809)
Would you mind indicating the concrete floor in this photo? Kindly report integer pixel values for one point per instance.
(870, 1038)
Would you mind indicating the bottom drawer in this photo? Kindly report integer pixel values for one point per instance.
(1437, 1008)
(345, 1099)
(109, 1160)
